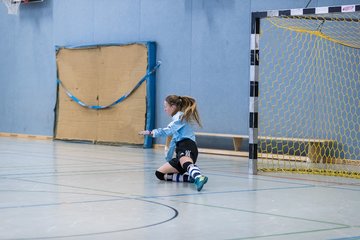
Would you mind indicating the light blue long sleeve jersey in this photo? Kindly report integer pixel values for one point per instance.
(179, 129)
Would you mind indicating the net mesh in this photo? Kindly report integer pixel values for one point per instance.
(309, 94)
(12, 6)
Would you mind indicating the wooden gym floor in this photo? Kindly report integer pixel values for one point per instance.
(62, 190)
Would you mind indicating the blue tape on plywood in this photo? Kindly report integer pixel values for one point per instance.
(122, 98)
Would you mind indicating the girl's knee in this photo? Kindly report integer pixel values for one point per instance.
(185, 160)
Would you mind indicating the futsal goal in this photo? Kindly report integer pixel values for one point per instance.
(305, 91)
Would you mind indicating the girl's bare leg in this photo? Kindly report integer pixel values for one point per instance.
(167, 168)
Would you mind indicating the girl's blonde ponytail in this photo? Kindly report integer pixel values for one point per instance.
(187, 105)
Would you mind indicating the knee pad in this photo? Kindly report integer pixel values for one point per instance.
(159, 175)
(186, 165)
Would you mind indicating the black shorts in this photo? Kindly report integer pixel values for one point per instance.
(185, 147)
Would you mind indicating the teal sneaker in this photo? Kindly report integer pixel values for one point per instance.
(200, 182)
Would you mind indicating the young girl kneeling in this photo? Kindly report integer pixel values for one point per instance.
(182, 168)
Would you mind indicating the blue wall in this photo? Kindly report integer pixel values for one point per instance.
(203, 46)
(27, 70)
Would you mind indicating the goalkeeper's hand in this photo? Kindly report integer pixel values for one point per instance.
(145, 132)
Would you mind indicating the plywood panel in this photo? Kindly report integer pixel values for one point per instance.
(99, 76)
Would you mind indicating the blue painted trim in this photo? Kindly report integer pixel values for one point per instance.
(150, 93)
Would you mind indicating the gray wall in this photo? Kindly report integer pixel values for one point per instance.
(203, 46)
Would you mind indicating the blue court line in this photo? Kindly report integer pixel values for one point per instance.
(320, 186)
(289, 182)
(299, 179)
(64, 203)
(267, 214)
(70, 173)
(288, 233)
(143, 199)
(341, 226)
(342, 188)
(190, 194)
(312, 180)
(175, 215)
(175, 195)
(139, 198)
(224, 192)
(69, 186)
(347, 238)
(261, 179)
(65, 173)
